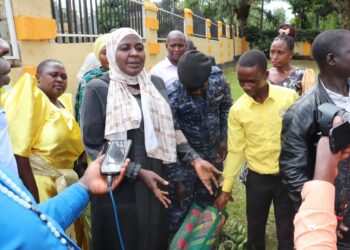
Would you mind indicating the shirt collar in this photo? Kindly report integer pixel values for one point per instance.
(339, 100)
(168, 63)
(333, 93)
(272, 95)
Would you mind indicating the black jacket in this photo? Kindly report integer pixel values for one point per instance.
(300, 134)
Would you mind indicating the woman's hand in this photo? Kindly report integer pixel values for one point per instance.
(151, 179)
(97, 183)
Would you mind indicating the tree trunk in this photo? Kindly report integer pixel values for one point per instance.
(343, 9)
(242, 14)
(262, 15)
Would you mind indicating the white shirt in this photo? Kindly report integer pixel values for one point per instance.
(7, 157)
(167, 71)
(340, 100)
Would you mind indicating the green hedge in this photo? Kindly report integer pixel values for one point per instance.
(307, 35)
(263, 40)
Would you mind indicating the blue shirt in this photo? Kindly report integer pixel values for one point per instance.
(6, 154)
(22, 228)
(203, 120)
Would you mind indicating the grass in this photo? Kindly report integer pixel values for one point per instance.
(236, 209)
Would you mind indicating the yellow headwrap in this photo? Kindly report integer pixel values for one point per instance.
(99, 44)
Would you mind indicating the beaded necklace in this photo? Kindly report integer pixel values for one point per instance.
(24, 200)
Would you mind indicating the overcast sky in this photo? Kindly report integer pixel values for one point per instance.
(280, 4)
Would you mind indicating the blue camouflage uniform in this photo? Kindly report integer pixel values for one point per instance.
(203, 121)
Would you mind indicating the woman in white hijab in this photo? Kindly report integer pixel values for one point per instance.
(126, 103)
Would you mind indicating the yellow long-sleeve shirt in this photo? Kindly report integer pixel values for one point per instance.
(254, 133)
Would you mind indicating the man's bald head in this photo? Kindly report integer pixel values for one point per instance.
(176, 34)
(176, 45)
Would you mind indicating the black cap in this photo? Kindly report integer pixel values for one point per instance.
(194, 69)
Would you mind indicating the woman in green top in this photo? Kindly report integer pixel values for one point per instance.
(100, 53)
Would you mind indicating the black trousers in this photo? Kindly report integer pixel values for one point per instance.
(261, 190)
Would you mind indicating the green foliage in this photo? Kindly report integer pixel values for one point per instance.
(208, 8)
(313, 14)
(251, 33)
(261, 40)
(226, 10)
(342, 8)
(329, 22)
(277, 17)
(272, 19)
(307, 35)
(112, 14)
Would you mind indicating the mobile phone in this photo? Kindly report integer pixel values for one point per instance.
(339, 137)
(115, 155)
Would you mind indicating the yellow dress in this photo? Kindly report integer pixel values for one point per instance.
(48, 135)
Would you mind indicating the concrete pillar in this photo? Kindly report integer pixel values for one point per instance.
(151, 28)
(152, 46)
(188, 22)
(208, 35)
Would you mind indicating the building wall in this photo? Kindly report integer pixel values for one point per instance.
(71, 55)
(36, 8)
(152, 60)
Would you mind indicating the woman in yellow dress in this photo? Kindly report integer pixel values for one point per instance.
(46, 138)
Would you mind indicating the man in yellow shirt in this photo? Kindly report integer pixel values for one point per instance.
(254, 135)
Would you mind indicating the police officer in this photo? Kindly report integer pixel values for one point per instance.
(200, 101)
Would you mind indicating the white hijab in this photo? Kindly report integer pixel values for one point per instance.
(123, 112)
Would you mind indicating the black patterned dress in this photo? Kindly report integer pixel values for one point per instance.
(293, 81)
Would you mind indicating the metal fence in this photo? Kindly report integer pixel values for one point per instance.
(233, 31)
(169, 21)
(83, 20)
(223, 30)
(199, 25)
(214, 31)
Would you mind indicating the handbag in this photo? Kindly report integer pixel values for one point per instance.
(200, 229)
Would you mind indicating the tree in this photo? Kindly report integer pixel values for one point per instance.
(262, 15)
(112, 14)
(309, 14)
(207, 7)
(279, 15)
(343, 9)
(238, 9)
(272, 18)
(300, 8)
(227, 10)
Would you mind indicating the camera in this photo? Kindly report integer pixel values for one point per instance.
(339, 136)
